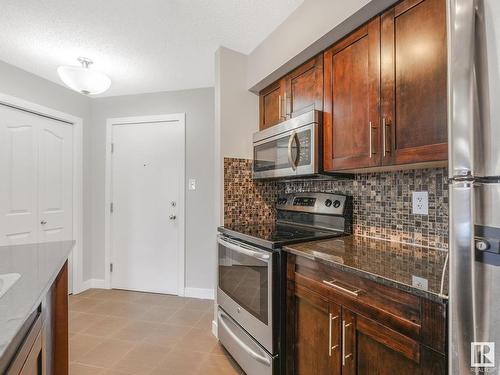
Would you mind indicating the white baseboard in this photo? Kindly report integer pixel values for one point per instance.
(199, 293)
(93, 284)
(188, 292)
(214, 328)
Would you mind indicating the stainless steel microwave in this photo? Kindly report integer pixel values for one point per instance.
(289, 149)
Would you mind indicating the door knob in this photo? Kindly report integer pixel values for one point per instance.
(43, 222)
(172, 217)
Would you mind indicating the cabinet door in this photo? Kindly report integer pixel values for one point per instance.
(352, 92)
(304, 88)
(371, 348)
(414, 94)
(271, 105)
(317, 336)
(33, 364)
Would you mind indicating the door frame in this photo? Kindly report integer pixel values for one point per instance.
(110, 122)
(76, 257)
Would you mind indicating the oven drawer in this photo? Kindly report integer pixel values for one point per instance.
(251, 357)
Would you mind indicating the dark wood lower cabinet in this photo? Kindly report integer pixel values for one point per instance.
(330, 334)
(29, 357)
(317, 326)
(33, 364)
(60, 331)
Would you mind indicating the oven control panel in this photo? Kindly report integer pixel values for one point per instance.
(316, 203)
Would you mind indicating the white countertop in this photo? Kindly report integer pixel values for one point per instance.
(37, 266)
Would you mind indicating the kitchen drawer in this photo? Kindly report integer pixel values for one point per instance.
(376, 301)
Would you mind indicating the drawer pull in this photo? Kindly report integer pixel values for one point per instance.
(332, 283)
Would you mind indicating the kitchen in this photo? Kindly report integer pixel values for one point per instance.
(341, 218)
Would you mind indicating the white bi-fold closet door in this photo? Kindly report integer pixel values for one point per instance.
(36, 178)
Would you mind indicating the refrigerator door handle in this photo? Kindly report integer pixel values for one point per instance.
(461, 92)
(462, 278)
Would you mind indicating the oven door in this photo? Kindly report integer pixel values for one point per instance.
(289, 154)
(245, 289)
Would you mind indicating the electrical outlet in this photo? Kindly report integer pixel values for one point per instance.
(192, 184)
(420, 200)
(420, 282)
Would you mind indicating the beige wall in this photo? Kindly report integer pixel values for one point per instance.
(236, 115)
(239, 109)
(198, 104)
(312, 27)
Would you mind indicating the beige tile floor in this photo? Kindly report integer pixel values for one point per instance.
(116, 332)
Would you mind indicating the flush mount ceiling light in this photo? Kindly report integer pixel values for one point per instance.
(83, 79)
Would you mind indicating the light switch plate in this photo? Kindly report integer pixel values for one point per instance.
(192, 184)
(419, 282)
(420, 202)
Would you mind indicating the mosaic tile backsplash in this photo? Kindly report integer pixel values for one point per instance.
(382, 201)
(246, 200)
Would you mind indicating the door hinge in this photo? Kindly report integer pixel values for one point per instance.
(112, 147)
(111, 207)
(111, 267)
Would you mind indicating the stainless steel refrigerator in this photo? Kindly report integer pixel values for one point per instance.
(474, 171)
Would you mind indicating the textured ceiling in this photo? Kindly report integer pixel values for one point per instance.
(143, 45)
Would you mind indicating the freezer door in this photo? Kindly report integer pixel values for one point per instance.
(461, 92)
(474, 87)
(461, 289)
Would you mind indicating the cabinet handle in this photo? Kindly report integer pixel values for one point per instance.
(280, 104)
(330, 324)
(331, 283)
(385, 124)
(370, 130)
(344, 356)
(286, 111)
(383, 136)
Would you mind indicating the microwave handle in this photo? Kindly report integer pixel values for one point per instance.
(242, 250)
(293, 138)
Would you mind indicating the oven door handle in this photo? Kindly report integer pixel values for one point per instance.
(240, 249)
(258, 357)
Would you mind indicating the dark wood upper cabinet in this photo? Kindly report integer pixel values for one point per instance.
(382, 89)
(298, 92)
(271, 105)
(304, 88)
(414, 74)
(351, 110)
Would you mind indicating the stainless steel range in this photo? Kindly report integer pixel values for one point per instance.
(252, 274)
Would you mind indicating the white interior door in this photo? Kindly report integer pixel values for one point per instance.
(18, 176)
(55, 181)
(36, 178)
(147, 162)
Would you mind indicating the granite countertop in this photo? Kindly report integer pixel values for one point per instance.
(37, 266)
(387, 262)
